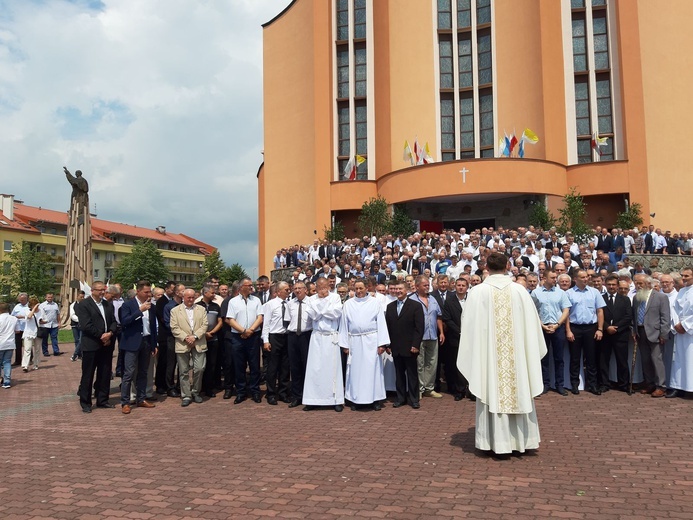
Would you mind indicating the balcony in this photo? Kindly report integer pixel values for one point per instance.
(52, 259)
(178, 269)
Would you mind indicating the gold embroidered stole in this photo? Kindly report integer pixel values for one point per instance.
(505, 351)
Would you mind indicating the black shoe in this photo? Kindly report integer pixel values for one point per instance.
(86, 410)
(671, 393)
(294, 403)
(161, 391)
(198, 399)
(458, 397)
(546, 390)
(308, 408)
(45, 354)
(186, 402)
(228, 393)
(377, 407)
(173, 393)
(256, 398)
(562, 391)
(272, 400)
(416, 406)
(593, 390)
(239, 399)
(58, 353)
(105, 405)
(353, 407)
(397, 404)
(152, 398)
(211, 394)
(604, 388)
(574, 390)
(339, 408)
(73, 358)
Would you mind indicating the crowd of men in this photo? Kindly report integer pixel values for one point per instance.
(361, 317)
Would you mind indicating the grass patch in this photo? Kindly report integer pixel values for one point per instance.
(65, 336)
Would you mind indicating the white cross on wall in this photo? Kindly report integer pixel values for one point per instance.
(464, 171)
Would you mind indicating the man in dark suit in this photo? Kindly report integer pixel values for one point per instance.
(618, 318)
(160, 377)
(405, 324)
(98, 325)
(604, 241)
(452, 318)
(651, 315)
(138, 341)
(440, 294)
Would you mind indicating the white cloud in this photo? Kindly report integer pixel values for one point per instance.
(158, 102)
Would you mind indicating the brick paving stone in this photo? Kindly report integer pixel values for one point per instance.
(600, 457)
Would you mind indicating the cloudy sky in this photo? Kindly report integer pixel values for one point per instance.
(158, 102)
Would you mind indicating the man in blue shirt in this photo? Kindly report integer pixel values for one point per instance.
(584, 327)
(553, 306)
(433, 329)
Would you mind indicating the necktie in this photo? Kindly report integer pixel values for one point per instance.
(285, 322)
(298, 322)
(641, 313)
(611, 299)
(400, 304)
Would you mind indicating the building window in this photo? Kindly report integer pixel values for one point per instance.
(351, 104)
(466, 117)
(593, 80)
(96, 255)
(7, 245)
(96, 273)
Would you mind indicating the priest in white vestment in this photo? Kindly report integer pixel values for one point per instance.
(682, 363)
(363, 335)
(500, 353)
(324, 383)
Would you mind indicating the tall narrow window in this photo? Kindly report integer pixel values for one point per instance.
(351, 104)
(465, 40)
(593, 79)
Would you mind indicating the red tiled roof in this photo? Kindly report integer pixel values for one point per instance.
(16, 224)
(103, 229)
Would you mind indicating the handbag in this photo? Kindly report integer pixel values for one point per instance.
(42, 332)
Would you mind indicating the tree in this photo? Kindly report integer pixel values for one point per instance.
(213, 266)
(573, 215)
(631, 218)
(375, 218)
(233, 274)
(336, 232)
(144, 263)
(402, 224)
(26, 270)
(540, 216)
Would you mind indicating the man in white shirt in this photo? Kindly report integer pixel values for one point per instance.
(20, 312)
(8, 327)
(49, 319)
(275, 342)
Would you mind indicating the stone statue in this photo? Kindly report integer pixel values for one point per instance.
(78, 251)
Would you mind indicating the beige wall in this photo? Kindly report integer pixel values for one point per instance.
(413, 96)
(667, 74)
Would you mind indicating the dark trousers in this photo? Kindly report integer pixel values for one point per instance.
(457, 383)
(406, 379)
(53, 333)
(278, 367)
(583, 347)
(619, 346)
(208, 378)
(161, 363)
(171, 363)
(135, 369)
(555, 345)
(298, 358)
(98, 361)
(228, 369)
(18, 348)
(246, 354)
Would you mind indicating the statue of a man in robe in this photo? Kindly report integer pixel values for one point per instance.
(80, 187)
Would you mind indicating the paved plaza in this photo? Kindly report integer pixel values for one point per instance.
(604, 457)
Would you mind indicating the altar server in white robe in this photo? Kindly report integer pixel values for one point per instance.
(500, 354)
(363, 335)
(324, 383)
(682, 363)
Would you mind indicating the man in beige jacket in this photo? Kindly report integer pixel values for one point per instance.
(188, 326)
